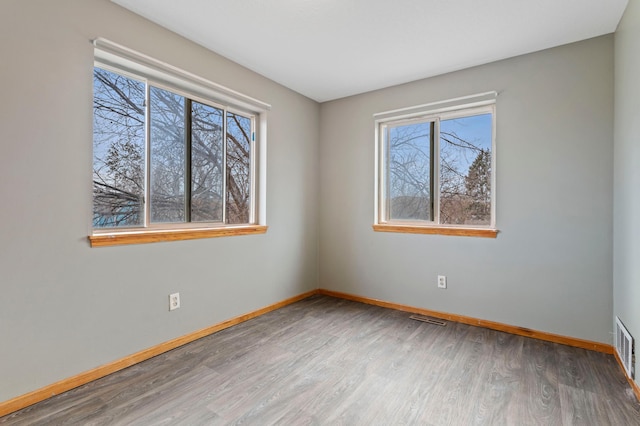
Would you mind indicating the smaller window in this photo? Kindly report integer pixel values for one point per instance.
(435, 171)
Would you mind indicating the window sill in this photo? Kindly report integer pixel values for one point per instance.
(437, 230)
(156, 236)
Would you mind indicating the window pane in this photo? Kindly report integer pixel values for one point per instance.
(409, 173)
(206, 163)
(465, 170)
(238, 168)
(167, 156)
(118, 150)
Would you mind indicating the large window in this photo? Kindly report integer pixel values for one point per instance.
(435, 172)
(165, 159)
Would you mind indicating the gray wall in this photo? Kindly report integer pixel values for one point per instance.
(550, 268)
(67, 308)
(626, 260)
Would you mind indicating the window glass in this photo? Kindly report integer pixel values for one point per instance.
(207, 173)
(118, 150)
(238, 168)
(167, 156)
(436, 169)
(465, 170)
(409, 175)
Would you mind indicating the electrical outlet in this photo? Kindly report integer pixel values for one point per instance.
(442, 281)
(174, 301)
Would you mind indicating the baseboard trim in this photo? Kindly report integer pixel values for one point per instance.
(64, 385)
(23, 401)
(520, 331)
(632, 383)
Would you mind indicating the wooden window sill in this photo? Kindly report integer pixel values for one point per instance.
(437, 230)
(155, 236)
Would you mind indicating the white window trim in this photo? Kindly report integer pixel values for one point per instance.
(122, 60)
(446, 109)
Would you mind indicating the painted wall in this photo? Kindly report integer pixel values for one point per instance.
(550, 268)
(626, 259)
(67, 308)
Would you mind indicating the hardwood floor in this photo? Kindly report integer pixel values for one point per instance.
(326, 361)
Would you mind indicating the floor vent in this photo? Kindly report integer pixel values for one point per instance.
(428, 320)
(624, 347)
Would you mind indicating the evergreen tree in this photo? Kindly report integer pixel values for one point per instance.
(478, 187)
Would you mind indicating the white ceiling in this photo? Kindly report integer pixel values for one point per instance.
(328, 49)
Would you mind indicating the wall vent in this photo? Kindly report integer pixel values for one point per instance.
(624, 348)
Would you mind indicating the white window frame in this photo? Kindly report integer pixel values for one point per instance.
(466, 106)
(129, 63)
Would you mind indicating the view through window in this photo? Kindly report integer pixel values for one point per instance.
(164, 158)
(437, 169)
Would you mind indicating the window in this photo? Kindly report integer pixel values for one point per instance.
(170, 163)
(435, 170)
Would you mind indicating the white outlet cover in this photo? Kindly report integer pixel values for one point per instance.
(442, 281)
(174, 301)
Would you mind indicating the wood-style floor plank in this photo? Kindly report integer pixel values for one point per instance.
(538, 402)
(326, 361)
